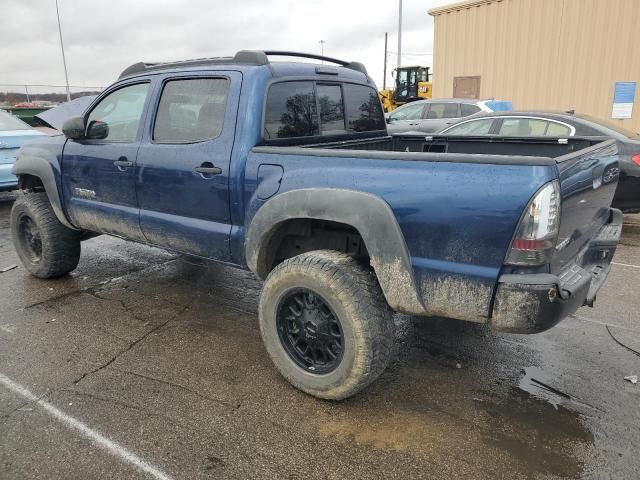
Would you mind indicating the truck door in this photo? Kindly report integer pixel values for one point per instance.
(98, 171)
(182, 178)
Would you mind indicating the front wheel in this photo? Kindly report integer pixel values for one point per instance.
(325, 324)
(45, 246)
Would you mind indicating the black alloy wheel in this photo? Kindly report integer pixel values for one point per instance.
(30, 239)
(310, 331)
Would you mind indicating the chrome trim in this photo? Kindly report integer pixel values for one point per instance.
(572, 129)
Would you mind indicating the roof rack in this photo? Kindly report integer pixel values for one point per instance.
(244, 57)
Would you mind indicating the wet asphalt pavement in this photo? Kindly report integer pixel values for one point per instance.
(163, 357)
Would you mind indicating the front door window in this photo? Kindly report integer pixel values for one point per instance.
(118, 114)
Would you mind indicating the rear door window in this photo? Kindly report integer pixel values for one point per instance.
(191, 110)
(290, 111)
(364, 112)
(442, 110)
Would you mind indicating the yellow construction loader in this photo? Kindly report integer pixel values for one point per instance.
(411, 83)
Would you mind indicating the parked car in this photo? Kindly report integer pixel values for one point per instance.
(13, 133)
(552, 124)
(286, 169)
(433, 115)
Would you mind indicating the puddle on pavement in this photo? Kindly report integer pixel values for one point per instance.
(528, 426)
(535, 383)
(520, 433)
(539, 385)
(394, 432)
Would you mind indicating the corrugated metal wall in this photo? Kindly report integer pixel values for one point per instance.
(542, 54)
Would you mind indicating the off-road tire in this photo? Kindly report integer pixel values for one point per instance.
(60, 246)
(353, 293)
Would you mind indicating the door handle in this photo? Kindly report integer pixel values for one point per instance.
(207, 169)
(122, 163)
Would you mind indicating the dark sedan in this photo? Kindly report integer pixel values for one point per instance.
(546, 124)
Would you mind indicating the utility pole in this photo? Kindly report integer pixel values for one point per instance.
(399, 35)
(384, 78)
(64, 60)
(322, 42)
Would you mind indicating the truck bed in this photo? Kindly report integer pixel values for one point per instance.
(511, 146)
(458, 206)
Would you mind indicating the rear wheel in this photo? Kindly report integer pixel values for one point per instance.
(45, 246)
(325, 324)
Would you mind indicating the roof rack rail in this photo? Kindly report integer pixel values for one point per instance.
(246, 57)
(359, 67)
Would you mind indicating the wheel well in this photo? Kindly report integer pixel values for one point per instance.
(30, 182)
(298, 236)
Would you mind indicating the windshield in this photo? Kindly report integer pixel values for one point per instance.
(611, 126)
(9, 122)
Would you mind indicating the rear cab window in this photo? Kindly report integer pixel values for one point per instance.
(364, 112)
(291, 111)
(331, 109)
(299, 109)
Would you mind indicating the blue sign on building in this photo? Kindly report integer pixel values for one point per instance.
(623, 97)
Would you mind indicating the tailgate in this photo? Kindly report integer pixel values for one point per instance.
(588, 181)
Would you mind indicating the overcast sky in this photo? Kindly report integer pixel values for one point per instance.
(103, 37)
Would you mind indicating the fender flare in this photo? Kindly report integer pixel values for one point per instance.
(370, 215)
(42, 169)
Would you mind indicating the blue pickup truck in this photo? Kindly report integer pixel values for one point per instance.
(286, 169)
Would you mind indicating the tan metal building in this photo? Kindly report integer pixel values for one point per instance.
(542, 54)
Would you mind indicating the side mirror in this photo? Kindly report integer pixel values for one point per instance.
(97, 130)
(388, 119)
(73, 128)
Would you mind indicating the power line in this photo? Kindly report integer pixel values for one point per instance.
(47, 85)
(423, 54)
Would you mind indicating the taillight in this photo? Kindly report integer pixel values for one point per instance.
(636, 159)
(537, 231)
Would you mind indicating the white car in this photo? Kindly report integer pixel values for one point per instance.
(431, 116)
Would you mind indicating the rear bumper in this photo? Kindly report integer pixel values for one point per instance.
(536, 302)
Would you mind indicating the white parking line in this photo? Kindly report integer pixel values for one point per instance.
(606, 324)
(97, 438)
(626, 265)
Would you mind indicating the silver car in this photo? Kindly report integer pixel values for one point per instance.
(562, 125)
(433, 115)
